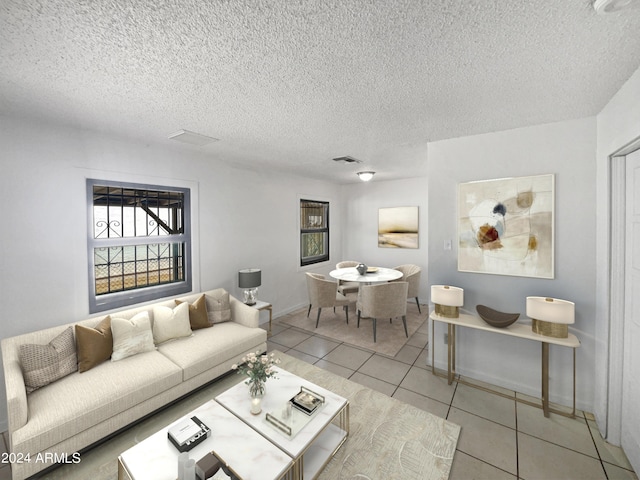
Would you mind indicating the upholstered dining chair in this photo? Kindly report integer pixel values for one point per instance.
(411, 274)
(384, 300)
(324, 293)
(345, 287)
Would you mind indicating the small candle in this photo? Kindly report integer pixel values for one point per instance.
(255, 406)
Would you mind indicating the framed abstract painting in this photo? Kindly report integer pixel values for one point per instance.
(506, 226)
(398, 227)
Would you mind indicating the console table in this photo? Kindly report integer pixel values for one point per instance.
(519, 330)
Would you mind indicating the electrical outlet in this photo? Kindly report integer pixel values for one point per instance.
(446, 338)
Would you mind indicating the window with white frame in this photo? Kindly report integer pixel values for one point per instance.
(139, 243)
(314, 232)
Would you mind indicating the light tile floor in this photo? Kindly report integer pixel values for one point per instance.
(500, 439)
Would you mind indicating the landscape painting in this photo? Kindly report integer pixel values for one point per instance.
(398, 227)
(506, 226)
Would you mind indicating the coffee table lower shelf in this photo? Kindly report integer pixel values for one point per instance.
(319, 453)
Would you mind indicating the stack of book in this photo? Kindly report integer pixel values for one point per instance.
(188, 433)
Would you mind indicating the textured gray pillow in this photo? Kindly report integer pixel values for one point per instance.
(218, 306)
(43, 364)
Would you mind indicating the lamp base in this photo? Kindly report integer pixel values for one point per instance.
(447, 311)
(550, 329)
(250, 296)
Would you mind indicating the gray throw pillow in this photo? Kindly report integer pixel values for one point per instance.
(218, 306)
(43, 364)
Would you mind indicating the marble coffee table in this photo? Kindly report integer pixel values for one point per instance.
(247, 453)
(314, 440)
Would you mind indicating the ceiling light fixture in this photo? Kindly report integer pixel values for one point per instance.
(610, 6)
(347, 159)
(192, 138)
(366, 176)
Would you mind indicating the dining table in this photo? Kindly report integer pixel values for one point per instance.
(373, 275)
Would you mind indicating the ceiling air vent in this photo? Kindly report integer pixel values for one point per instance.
(347, 160)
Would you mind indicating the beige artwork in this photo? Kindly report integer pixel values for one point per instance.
(398, 227)
(506, 226)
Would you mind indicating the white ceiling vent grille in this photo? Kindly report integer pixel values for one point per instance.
(347, 160)
(192, 138)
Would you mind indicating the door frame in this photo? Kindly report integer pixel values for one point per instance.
(616, 289)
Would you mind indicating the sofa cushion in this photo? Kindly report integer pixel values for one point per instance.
(170, 323)
(80, 401)
(218, 307)
(198, 317)
(43, 364)
(209, 347)
(131, 337)
(94, 345)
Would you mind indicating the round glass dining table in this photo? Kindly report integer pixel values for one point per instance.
(373, 275)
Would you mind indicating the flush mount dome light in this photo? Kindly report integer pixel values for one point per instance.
(610, 6)
(366, 176)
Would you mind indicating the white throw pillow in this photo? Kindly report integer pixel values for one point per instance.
(131, 336)
(169, 324)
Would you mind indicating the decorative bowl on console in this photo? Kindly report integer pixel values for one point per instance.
(496, 318)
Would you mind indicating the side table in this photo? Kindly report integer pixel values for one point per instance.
(260, 305)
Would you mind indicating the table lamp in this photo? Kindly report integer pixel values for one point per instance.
(550, 316)
(447, 299)
(250, 279)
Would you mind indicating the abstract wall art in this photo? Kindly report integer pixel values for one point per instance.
(398, 227)
(506, 226)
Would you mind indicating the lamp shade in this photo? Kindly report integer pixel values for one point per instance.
(551, 310)
(250, 278)
(447, 295)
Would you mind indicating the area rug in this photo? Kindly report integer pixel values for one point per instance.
(390, 337)
(388, 439)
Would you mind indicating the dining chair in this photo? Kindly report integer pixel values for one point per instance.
(384, 300)
(324, 293)
(411, 274)
(345, 287)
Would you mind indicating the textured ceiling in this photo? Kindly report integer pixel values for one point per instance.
(293, 83)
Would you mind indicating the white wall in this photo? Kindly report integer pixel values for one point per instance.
(566, 149)
(361, 202)
(618, 125)
(241, 219)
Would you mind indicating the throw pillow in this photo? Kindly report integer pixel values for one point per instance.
(43, 364)
(169, 324)
(218, 307)
(94, 344)
(131, 337)
(198, 317)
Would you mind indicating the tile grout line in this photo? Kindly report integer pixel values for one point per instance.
(595, 445)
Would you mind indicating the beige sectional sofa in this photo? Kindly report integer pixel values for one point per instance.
(57, 420)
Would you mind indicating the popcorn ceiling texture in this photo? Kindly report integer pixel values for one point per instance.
(294, 83)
